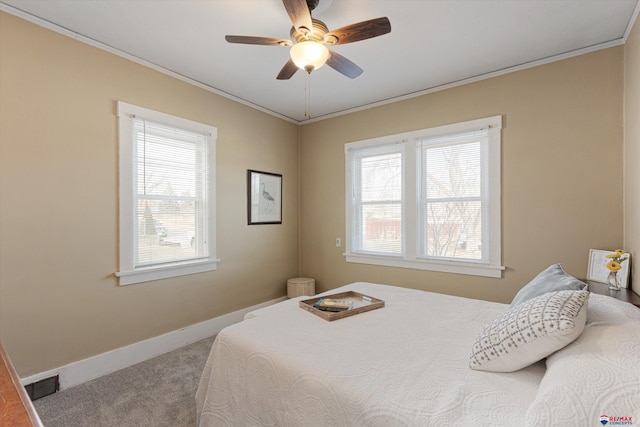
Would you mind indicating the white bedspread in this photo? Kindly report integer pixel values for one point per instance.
(405, 364)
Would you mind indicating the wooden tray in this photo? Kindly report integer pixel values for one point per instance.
(361, 303)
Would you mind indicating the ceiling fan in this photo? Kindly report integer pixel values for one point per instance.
(311, 37)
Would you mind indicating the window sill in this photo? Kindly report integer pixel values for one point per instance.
(468, 268)
(165, 272)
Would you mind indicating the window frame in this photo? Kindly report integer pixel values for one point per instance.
(490, 171)
(128, 272)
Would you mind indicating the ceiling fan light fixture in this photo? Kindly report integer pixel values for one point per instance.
(309, 55)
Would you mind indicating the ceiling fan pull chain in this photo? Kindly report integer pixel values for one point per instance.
(307, 96)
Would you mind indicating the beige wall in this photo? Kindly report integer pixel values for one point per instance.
(59, 300)
(561, 173)
(632, 151)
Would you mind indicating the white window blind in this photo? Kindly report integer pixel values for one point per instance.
(378, 203)
(167, 200)
(428, 199)
(453, 198)
(171, 177)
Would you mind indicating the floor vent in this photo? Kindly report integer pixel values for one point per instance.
(43, 387)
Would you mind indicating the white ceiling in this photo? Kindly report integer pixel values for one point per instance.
(432, 42)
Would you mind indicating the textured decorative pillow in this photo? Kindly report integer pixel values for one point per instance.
(530, 331)
(552, 279)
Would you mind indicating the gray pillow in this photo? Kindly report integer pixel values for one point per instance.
(552, 279)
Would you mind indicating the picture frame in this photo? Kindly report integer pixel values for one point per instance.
(264, 197)
(598, 271)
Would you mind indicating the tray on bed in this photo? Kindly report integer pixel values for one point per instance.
(361, 303)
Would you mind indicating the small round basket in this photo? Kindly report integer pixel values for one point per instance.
(300, 286)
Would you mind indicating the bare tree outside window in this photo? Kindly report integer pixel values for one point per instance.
(452, 201)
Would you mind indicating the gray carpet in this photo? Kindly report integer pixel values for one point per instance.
(157, 392)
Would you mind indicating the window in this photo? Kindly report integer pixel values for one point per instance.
(428, 199)
(167, 195)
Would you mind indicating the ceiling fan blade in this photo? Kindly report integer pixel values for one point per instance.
(299, 14)
(343, 65)
(287, 71)
(360, 31)
(266, 41)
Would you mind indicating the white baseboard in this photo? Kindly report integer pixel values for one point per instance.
(93, 367)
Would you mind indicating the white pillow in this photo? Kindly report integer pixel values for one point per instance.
(598, 375)
(530, 331)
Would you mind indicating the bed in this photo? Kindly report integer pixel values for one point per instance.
(408, 364)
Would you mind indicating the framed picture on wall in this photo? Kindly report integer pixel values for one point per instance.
(598, 270)
(264, 197)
